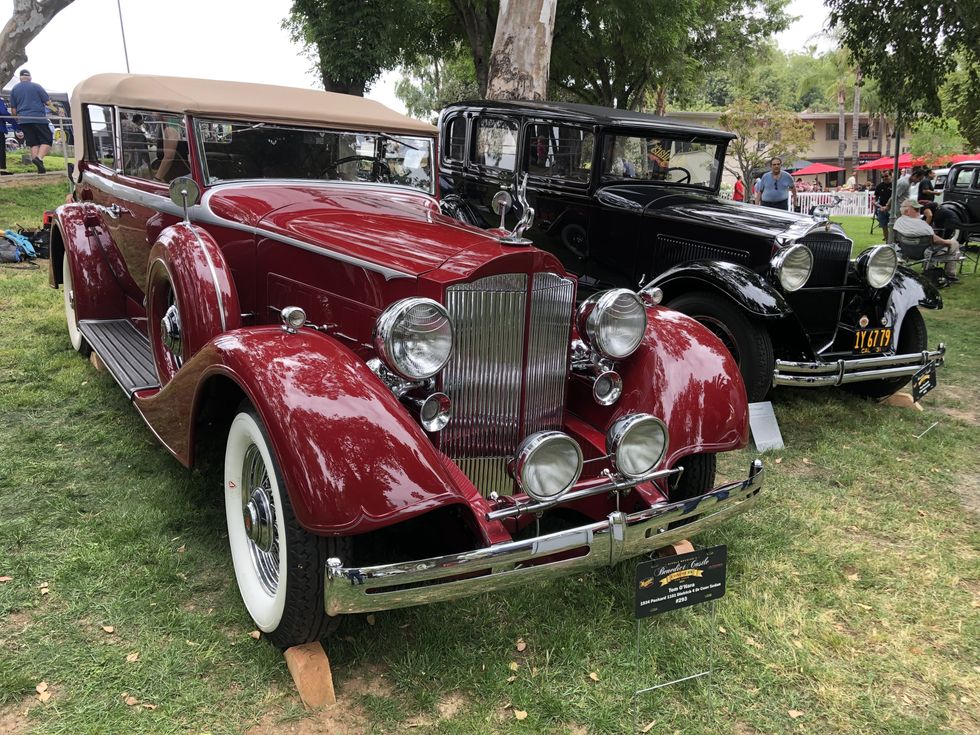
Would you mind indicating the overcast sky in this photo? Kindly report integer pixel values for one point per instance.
(222, 39)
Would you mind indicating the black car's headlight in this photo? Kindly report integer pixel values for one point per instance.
(878, 265)
(613, 322)
(793, 266)
(414, 338)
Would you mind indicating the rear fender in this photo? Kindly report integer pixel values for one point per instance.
(352, 457)
(97, 293)
(682, 374)
(746, 288)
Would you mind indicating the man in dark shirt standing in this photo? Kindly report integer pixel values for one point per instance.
(883, 195)
(29, 102)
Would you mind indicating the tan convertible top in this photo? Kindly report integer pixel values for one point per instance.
(238, 100)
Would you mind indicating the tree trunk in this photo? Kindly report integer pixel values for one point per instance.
(856, 121)
(841, 124)
(479, 21)
(521, 54)
(661, 99)
(29, 18)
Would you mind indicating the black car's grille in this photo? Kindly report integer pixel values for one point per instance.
(508, 372)
(672, 251)
(831, 254)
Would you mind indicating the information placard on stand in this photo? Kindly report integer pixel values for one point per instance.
(673, 583)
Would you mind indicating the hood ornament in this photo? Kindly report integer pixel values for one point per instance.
(503, 201)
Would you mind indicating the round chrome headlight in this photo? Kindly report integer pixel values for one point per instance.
(613, 322)
(547, 465)
(793, 266)
(878, 265)
(414, 337)
(637, 443)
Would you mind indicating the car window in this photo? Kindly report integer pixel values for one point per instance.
(101, 144)
(963, 178)
(456, 139)
(661, 158)
(495, 143)
(560, 152)
(261, 150)
(154, 144)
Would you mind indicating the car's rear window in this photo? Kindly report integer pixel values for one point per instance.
(258, 150)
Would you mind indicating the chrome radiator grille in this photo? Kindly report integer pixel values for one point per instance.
(492, 369)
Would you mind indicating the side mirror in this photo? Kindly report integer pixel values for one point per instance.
(185, 193)
(501, 203)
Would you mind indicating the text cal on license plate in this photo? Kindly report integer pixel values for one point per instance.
(872, 340)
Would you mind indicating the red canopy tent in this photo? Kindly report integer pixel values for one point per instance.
(959, 157)
(816, 168)
(904, 161)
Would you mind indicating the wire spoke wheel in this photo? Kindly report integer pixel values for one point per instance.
(259, 517)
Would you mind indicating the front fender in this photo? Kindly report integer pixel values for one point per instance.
(682, 374)
(908, 291)
(745, 287)
(352, 457)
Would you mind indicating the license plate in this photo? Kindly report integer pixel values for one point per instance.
(923, 381)
(867, 341)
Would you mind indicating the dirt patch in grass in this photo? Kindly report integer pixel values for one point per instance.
(346, 717)
(13, 718)
(967, 489)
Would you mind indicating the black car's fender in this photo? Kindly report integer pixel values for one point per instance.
(456, 207)
(746, 288)
(909, 291)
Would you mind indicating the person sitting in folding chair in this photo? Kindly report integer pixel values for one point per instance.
(908, 227)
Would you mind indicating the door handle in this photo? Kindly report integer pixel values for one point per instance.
(114, 211)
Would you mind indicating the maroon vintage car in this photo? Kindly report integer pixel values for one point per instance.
(415, 409)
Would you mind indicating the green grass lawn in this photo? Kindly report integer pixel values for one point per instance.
(852, 604)
(15, 165)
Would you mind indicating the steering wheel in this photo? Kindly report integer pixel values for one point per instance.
(685, 179)
(378, 169)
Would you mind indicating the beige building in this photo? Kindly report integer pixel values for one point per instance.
(826, 135)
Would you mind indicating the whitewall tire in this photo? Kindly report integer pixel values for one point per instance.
(278, 565)
(78, 342)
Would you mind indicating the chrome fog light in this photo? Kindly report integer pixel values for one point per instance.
(607, 388)
(793, 266)
(638, 443)
(878, 265)
(613, 322)
(414, 338)
(547, 465)
(293, 318)
(435, 412)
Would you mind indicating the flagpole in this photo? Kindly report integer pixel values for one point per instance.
(122, 31)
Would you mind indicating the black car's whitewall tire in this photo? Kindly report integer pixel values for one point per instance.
(748, 341)
(78, 342)
(280, 576)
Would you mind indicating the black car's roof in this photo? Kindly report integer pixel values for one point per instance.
(574, 112)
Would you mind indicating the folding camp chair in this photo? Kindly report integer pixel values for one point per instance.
(919, 250)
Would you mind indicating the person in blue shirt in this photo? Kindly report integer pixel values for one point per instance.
(30, 103)
(5, 119)
(775, 187)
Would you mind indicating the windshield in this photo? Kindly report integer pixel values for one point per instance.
(672, 160)
(257, 150)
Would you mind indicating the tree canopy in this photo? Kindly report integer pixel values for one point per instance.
(764, 132)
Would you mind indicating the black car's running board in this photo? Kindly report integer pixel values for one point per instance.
(124, 350)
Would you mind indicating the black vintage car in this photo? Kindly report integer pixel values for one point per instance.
(961, 197)
(629, 199)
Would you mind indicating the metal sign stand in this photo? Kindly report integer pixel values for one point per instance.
(669, 584)
(639, 692)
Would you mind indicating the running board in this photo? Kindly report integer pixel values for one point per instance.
(125, 352)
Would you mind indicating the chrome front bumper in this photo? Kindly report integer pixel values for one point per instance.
(609, 541)
(842, 372)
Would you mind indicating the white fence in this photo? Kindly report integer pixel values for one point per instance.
(859, 203)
